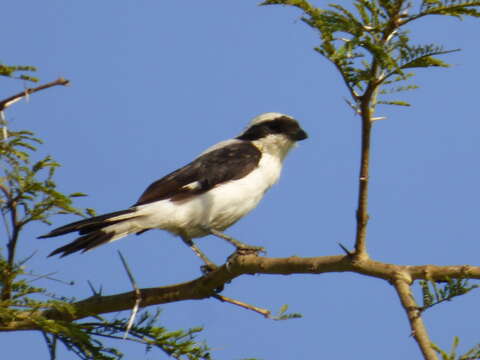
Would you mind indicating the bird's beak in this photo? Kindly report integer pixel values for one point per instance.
(300, 135)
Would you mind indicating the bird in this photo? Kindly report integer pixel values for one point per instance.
(205, 197)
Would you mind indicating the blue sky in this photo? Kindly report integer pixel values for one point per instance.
(154, 83)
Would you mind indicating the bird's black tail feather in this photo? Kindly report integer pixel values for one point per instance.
(84, 243)
(88, 225)
(96, 231)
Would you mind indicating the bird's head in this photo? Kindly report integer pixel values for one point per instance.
(274, 132)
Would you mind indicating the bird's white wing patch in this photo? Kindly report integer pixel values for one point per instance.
(192, 186)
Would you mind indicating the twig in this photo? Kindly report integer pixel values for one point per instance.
(27, 259)
(266, 313)
(17, 97)
(16, 227)
(11, 248)
(3, 124)
(419, 332)
(347, 252)
(92, 288)
(48, 277)
(138, 295)
(362, 209)
(8, 196)
(51, 345)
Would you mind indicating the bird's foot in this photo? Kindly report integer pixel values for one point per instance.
(242, 249)
(208, 268)
(209, 265)
(245, 249)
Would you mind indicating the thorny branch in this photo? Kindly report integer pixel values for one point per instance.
(28, 91)
(419, 332)
(362, 209)
(205, 286)
(367, 104)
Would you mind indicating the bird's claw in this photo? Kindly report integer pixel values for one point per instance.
(250, 250)
(208, 268)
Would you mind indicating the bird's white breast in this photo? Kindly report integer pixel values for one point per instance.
(217, 208)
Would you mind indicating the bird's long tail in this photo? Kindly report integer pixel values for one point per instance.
(96, 231)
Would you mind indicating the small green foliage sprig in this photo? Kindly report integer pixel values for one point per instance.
(370, 46)
(28, 193)
(85, 339)
(283, 315)
(433, 294)
(11, 72)
(472, 354)
(28, 187)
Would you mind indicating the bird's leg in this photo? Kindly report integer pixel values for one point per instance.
(209, 265)
(241, 247)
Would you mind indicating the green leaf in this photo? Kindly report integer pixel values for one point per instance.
(456, 8)
(282, 315)
(77, 194)
(434, 294)
(362, 10)
(398, 89)
(10, 71)
(90, 212)
(427, 61)
(473, 353)
(398, 103)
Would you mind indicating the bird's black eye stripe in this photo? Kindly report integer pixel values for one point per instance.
(275, 126)
(281, 125)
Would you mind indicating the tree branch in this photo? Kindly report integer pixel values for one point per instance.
(266, 313)
(419, 332)
(8, 197)
(367, 103)
(14, 98)
(362, 209)
(11, 248)
(366, 115)
(204, 286)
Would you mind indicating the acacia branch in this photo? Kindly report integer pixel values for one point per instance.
(28, 91)
(419, 332)
(266, 313)
(362, 209)
(205, 286)
(367, 106)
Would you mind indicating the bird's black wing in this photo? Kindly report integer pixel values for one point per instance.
(227, 163)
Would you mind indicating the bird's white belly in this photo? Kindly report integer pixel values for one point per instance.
(219, 207)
